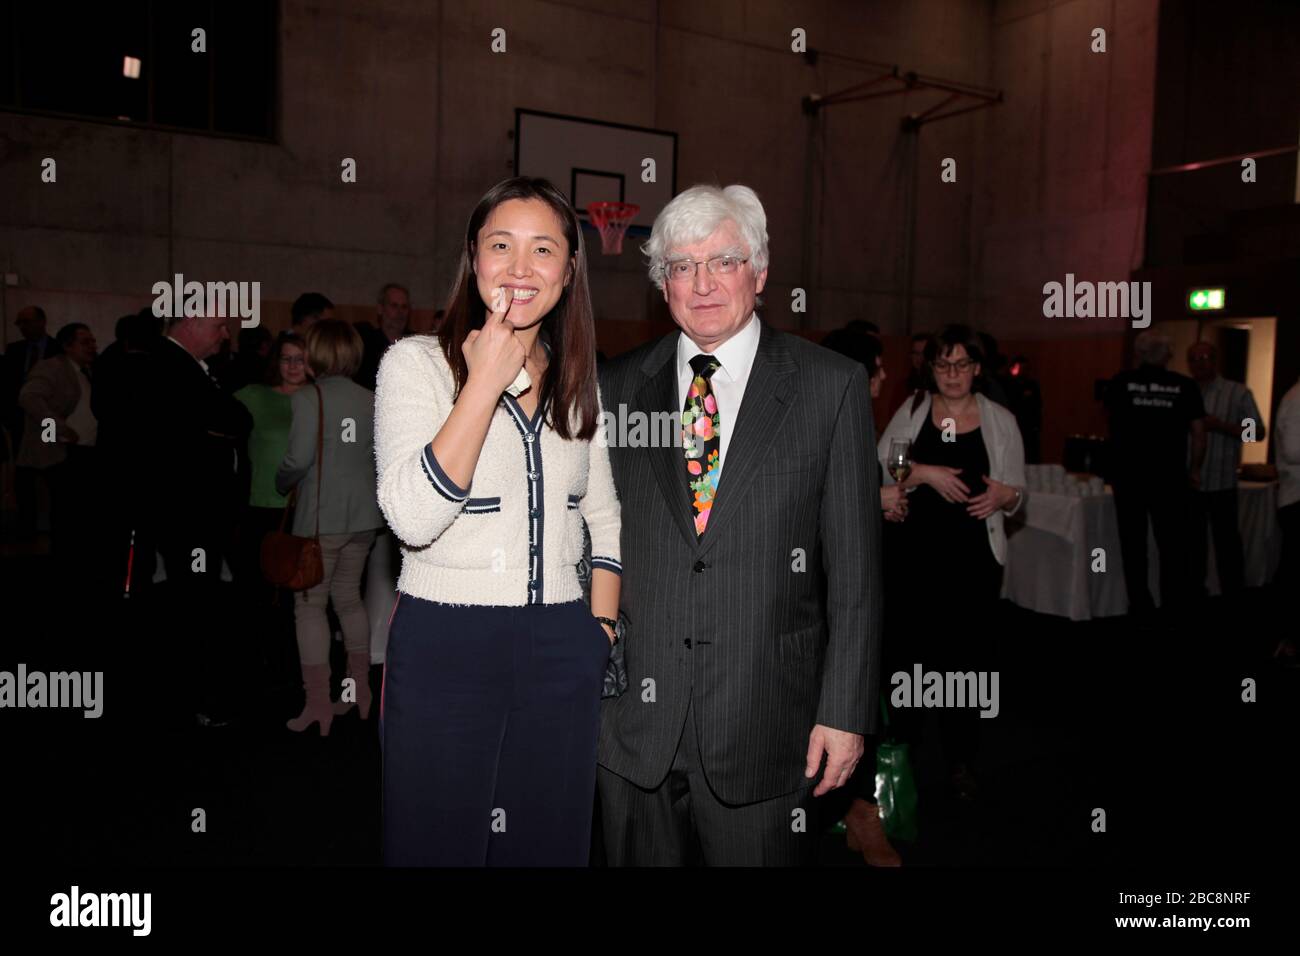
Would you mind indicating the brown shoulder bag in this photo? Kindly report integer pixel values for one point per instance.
(290, 561)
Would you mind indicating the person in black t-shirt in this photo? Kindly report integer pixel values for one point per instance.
(1152, 412)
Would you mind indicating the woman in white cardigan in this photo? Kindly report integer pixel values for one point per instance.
(968, 474)
(487, 469)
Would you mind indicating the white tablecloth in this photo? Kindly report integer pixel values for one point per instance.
(1050, 556)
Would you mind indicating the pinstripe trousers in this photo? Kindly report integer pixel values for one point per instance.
(683, 823)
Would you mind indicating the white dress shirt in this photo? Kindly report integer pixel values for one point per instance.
(735, 357)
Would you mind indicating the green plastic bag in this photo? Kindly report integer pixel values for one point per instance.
(895, 785)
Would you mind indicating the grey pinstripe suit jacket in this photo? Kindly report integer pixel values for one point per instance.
(773, 650)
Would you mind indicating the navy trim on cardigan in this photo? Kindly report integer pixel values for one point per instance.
(536, 500)
(439, 478)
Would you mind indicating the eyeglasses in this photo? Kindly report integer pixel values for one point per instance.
(942, 367)
(292, 360)
(682, 270)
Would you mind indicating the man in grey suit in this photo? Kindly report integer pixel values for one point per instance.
(751, 562)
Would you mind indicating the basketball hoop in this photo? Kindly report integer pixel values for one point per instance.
(612, 219)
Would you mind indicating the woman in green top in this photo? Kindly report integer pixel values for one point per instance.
(267, 443)
(269, 405)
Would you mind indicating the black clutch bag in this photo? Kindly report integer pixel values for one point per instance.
(615, 670)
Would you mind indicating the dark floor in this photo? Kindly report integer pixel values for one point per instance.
(1146, 723)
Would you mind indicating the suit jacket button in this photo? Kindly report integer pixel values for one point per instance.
(699, 566)
(687, 642)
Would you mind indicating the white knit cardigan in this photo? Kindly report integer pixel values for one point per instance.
(514, 536)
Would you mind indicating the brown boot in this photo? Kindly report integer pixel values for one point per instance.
(359, 671)
(866, 833)
(316, 686)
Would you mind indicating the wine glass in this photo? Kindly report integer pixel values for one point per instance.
(899, 463)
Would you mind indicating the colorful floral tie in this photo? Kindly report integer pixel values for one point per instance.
(700, 430)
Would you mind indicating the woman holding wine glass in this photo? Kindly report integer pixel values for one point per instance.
(898, 465)
(967, 474)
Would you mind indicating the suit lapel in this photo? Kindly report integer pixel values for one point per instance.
(763, 409)
(657, 394)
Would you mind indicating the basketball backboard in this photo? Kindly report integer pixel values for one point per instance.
(592, 161)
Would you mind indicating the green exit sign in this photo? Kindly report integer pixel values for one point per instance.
(1205, 300)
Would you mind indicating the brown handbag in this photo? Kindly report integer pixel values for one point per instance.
(290, 561)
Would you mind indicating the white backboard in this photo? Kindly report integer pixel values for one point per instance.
(592, 161)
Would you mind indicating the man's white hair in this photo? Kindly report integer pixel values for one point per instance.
(693, 215)
(1153, 348)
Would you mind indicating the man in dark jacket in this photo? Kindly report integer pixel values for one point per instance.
(182, 431)
(751, 563)
(391, 320)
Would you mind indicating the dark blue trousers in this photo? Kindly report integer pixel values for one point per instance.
(488, 720)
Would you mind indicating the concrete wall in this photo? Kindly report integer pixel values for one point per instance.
(1063, 189)
(1050, 181)
(412, 91)
(1066, 159)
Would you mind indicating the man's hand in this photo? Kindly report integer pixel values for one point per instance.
(842, 750)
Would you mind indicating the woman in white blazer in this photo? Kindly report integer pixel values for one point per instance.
(968, 474)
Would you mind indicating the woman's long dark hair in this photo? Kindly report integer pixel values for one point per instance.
(568, 396)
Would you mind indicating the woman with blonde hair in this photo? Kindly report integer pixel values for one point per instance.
(336, 500)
